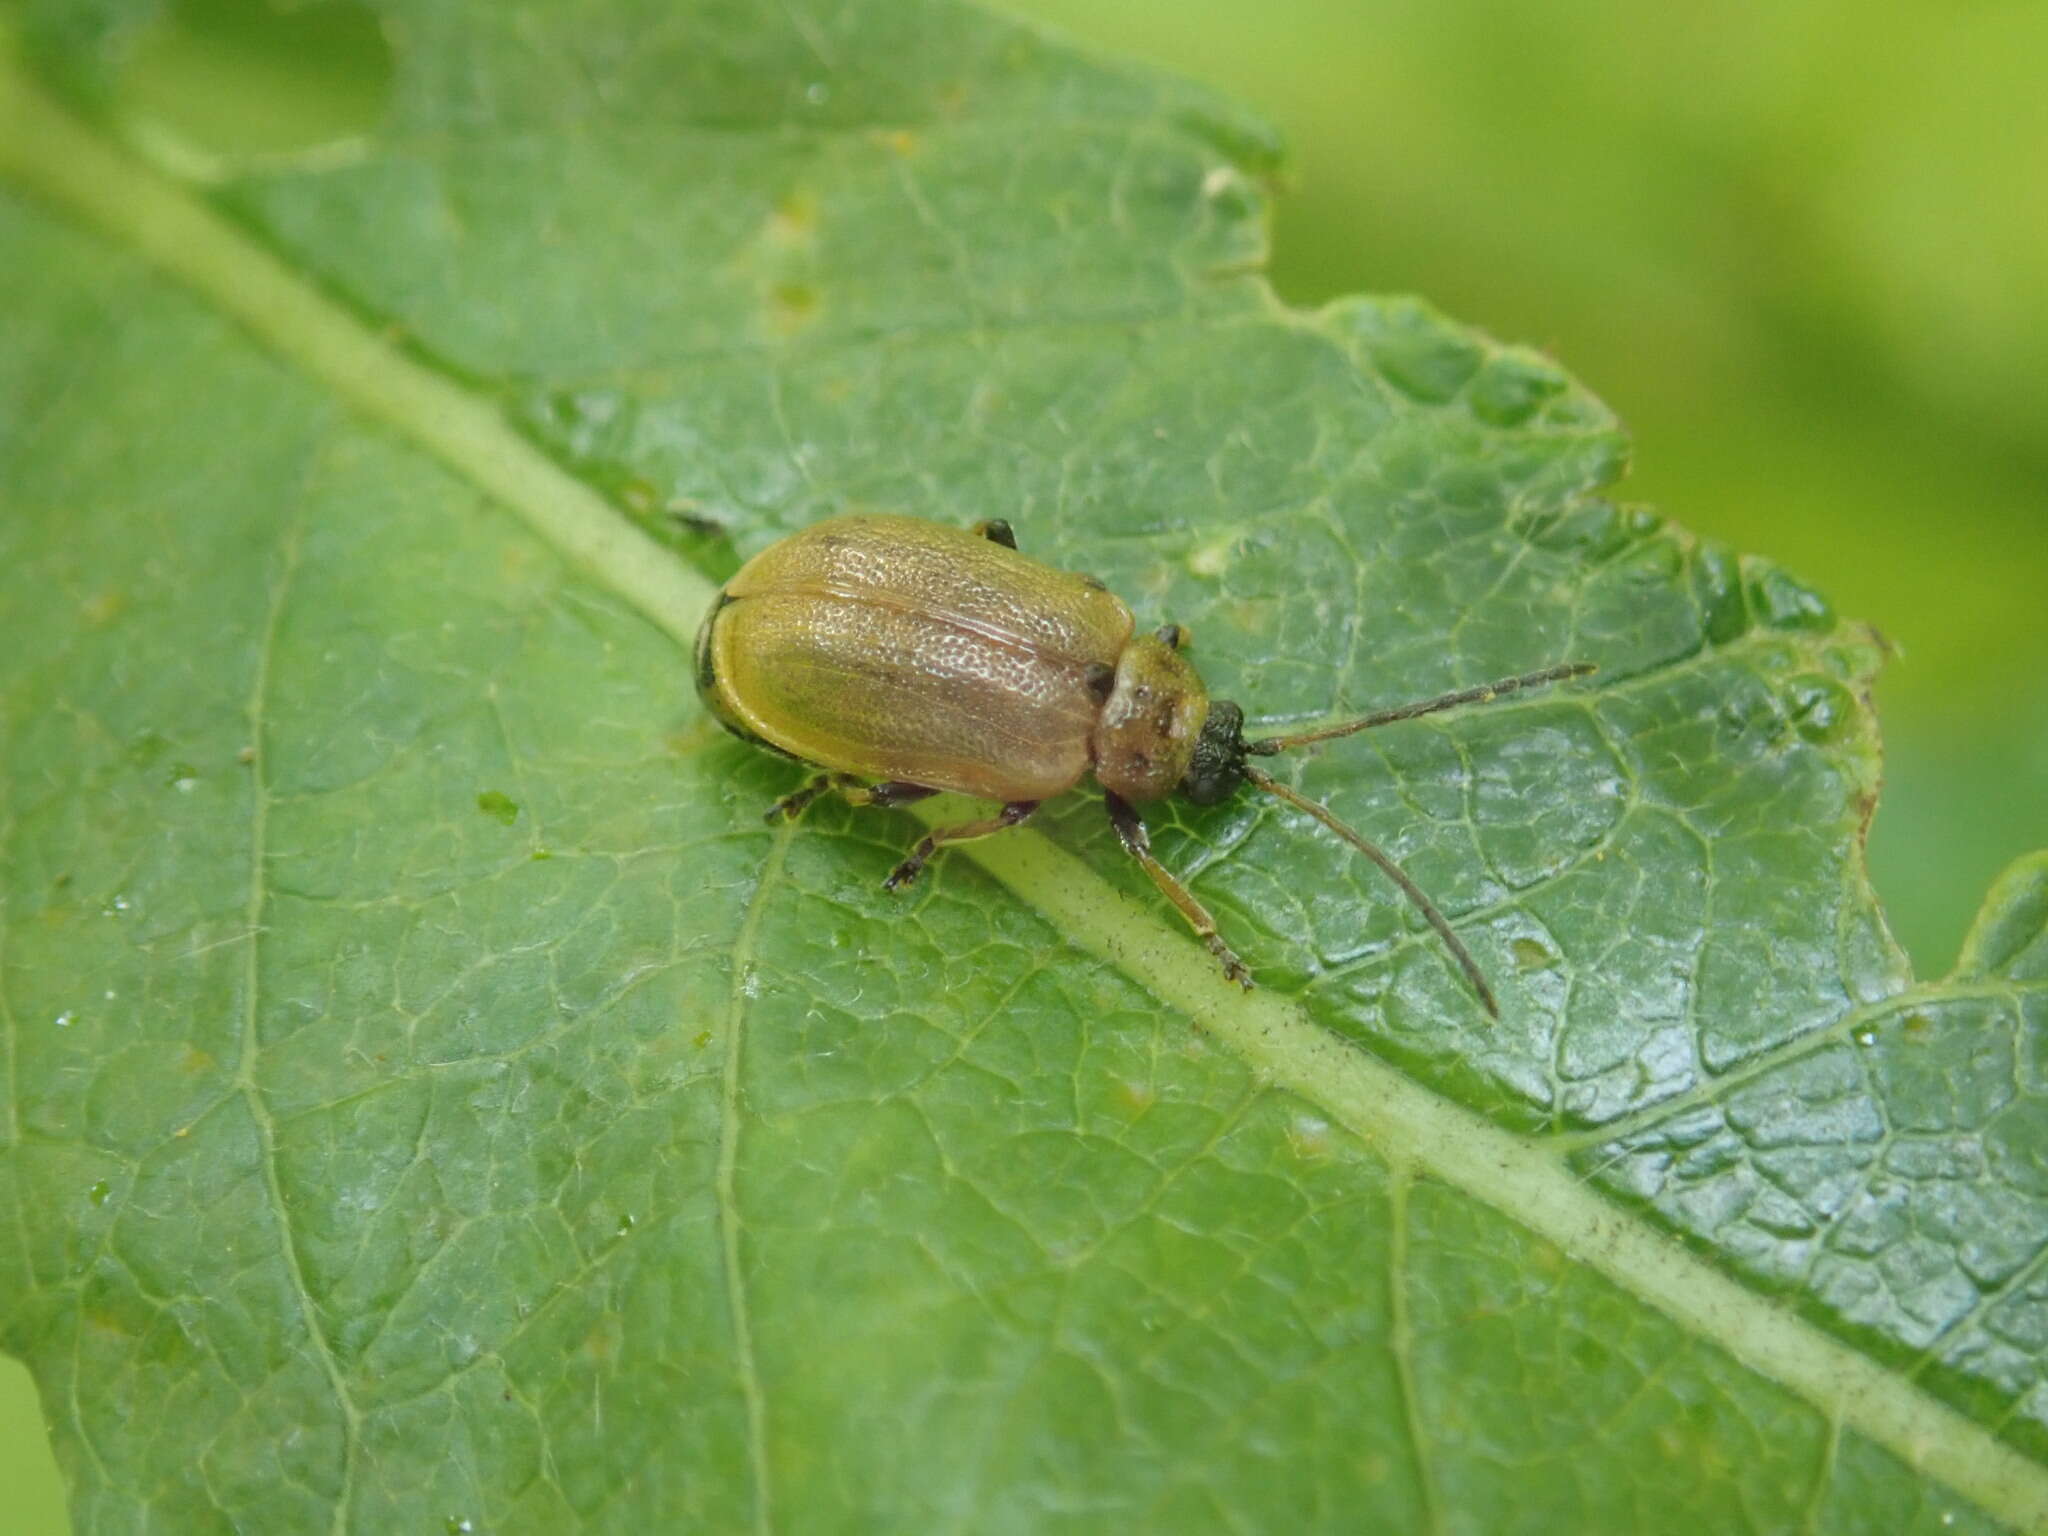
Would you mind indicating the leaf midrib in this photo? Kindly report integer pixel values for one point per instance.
(45, 149)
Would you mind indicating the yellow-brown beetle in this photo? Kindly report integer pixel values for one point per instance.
(906, 657)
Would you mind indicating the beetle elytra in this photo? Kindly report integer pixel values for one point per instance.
(905, 658)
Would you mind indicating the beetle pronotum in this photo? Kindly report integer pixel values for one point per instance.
(904, 658)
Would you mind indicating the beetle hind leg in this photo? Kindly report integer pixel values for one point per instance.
(1131, 833)
(930, 843)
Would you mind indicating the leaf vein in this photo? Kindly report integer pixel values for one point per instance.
(1401, 1344)
(245, 1076)
(726, 1180)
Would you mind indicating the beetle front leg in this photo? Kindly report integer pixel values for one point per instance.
(1131, 832)
(929, 844)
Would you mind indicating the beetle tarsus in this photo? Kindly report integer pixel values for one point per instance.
(907, 872)
(1233, 968)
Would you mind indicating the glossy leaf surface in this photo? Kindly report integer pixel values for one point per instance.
(434, 1094)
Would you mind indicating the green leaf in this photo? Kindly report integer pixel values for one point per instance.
(434, 1096)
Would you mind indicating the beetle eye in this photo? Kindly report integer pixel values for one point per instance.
(1217, 767)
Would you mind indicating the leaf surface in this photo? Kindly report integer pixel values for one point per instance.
(433, 1093)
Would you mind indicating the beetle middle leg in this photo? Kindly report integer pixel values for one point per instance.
(1131, 832)
(929, 844)
(855, 791)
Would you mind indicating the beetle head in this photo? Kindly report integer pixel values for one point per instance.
(1146, 735)
(1217, 767)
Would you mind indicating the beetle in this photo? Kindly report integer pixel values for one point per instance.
(903, 658)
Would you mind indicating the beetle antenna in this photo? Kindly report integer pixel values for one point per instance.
(1393, 872)
(1485, 693)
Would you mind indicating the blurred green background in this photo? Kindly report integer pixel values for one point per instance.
(1801, 247)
